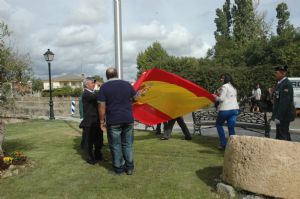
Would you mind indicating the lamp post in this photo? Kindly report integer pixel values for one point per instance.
(49, 57)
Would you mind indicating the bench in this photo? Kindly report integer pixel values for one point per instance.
(252, 121)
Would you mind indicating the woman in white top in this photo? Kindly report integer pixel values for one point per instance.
(228, 108)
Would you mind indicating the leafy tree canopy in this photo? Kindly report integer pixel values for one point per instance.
(15, 69)
(244, 48)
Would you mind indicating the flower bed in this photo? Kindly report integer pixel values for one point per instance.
(15, 158)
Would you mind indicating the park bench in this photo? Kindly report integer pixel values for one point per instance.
(252, 121)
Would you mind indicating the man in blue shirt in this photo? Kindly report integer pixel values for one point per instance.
(115, 112)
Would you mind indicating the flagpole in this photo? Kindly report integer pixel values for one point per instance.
(118, 37)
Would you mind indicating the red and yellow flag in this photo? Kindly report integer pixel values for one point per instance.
(163, 96)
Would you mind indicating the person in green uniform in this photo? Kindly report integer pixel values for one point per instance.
(283, 107)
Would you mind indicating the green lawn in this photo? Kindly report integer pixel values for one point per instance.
(163, 169)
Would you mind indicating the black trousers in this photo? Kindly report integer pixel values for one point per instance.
(169, 127)
(92, 142)
(282, 131)
(158, 127)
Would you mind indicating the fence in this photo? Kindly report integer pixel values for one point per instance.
(33, 107)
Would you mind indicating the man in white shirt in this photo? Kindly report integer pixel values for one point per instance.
(256, 99)
(257, 93)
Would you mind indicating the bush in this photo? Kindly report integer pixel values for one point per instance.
(63, 92)
(77, 92)
(245, 78)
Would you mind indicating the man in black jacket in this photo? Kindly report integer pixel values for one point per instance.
(92, 133)
(283, 109)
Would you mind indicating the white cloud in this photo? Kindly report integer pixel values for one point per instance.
(87, 12)
(176, 39)
(81, 32)
(76, 35)
(22, 21)
(19, 21)
(153, 31)
(5, 10)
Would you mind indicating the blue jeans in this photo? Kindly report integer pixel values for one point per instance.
(229, 116)
(120, 139)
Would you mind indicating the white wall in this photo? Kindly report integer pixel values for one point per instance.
(62, 84)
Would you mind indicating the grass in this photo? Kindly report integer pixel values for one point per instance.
(163, 169)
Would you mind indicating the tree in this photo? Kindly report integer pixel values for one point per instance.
(14, 70)
(284, 48)
(241, 35)
(283, 15)
(98, 78)
(37, 85)
(224, 43)
(223, 21)
(3, 51)
(153, 57)
(244, 25)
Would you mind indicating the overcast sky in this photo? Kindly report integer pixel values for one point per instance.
(80, 32)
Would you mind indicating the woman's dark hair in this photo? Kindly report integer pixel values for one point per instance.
(228, 79)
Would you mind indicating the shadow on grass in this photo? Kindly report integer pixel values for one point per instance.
(207, 142)
(105, 151)
(72, 126)
(150, 135)
(76, 146)
(209, 175)
(209, 152)
(17, 145)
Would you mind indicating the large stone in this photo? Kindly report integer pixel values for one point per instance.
(265, 166)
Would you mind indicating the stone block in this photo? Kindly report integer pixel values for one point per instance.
(225, 191)
(264, 166)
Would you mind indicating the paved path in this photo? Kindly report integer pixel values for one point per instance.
(294, 128)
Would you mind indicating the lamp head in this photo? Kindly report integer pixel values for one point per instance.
(49, 56)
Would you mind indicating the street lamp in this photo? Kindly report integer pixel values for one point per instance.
(49, 57)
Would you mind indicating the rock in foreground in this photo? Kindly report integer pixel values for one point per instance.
(265, 166)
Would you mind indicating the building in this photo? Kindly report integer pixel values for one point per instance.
(73, 81)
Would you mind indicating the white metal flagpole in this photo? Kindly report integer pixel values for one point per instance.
(118, 38)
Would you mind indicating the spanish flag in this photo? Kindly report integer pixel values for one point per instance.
(162, 96)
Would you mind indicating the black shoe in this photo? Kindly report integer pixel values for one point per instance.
(129, 172)
(222, 148)
(99, 158)
(187, 138)
(163, 138)
(102, 159)
(89, 161)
